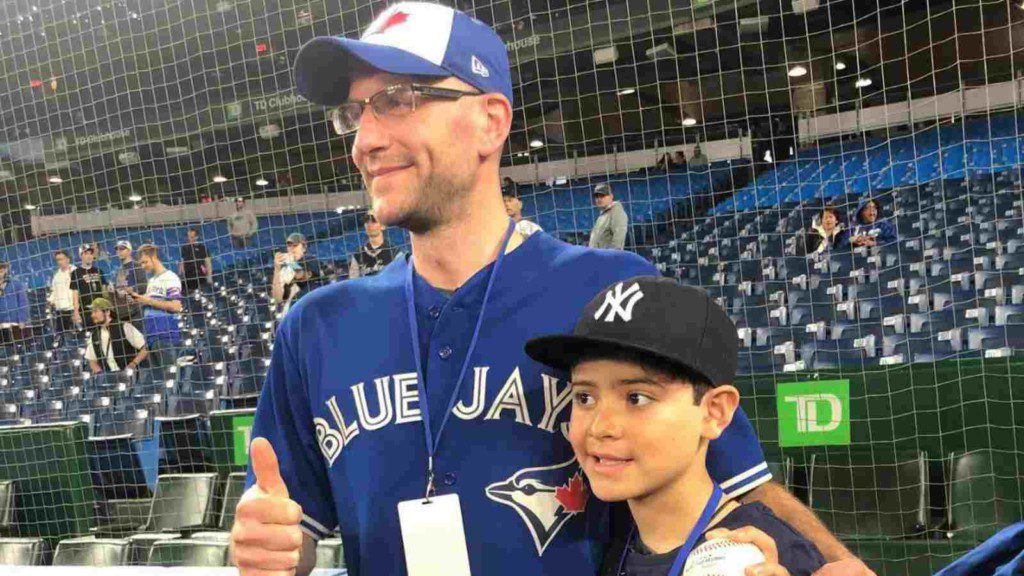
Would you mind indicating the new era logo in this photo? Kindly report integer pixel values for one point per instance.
(479, 69)
(619, 302)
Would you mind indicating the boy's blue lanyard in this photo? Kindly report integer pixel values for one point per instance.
(410, 300)
(687, 547)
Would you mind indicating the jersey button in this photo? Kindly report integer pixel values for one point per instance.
(449, 479)
(445, 352)
(434, 312)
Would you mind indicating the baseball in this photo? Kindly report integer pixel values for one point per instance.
(722, 558)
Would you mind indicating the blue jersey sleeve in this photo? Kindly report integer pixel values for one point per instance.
(283, 417)
(735, 459)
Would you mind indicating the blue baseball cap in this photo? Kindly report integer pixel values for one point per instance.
(414, 38)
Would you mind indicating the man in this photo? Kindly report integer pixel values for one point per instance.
(195, 268)
(112, 345)
(61, 299)
(242, 225)
(13, 308)
(294, 273)
(375, 254)
(379, 364)
(869, 230)
(612, 223)
(514, 209)
(129, 277)
(87, 282)
(161, 307)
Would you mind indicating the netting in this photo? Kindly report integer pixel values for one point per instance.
(880, 364)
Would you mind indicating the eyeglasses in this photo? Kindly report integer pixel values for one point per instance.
(392, 102)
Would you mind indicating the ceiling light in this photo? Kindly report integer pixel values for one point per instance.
(863, 82)
(219, 179)
(797, 71)
(840, 65)
(535, 143)
(262, 182)
(689, 121)
(55, 179)
(30, 206)
(627, 91)
(135, 198)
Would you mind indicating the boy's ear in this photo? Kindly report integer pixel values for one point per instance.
(718, 406)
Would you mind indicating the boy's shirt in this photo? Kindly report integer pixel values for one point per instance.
(796, 553)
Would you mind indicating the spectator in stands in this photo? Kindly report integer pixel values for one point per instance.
(242, 225)
(87, 282)
(610, 227)
(119, 344)
(509, 185)
(826, 233)
(375, 254)
(13, 299)
(514, 209)
(869, 230)
(161, 307)
(698, 160)
(60, 299)
(294, 273)
(680, 158)
(195, 268)
(672, 161)
(129, 277)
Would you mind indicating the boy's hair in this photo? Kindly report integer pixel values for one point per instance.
(669, 370)
(63, 253)
(193, 229)
(149, 250)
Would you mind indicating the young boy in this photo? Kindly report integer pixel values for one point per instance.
(652, 364)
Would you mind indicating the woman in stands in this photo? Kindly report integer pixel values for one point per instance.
(826, 233)
(869, 230)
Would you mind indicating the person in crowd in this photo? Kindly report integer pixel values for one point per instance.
(295, 274)
(869, 229)
(698, 159)
(161, 308)
(129, 276)
(514, 209)
(242, 225)
(509, 185)
(680, 158)
(612, 223)
(375, 254)
(87, 282)
(826, 233)
(112, 345)
(13, 299)
(196, 267)
(60, 298)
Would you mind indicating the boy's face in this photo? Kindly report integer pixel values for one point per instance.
(636, 432)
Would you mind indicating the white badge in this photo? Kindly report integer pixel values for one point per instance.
(433, 536)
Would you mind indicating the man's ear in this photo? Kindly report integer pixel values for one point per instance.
(718, 406)
(496, 121)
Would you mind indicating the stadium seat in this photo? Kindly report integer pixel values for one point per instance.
(330, 553)
(23, 551)
(234, 487)
(7, 516)
(869, 495)
(187, 552)
(90, 551)
(985, 494)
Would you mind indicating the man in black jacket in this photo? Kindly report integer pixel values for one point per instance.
(112, 345)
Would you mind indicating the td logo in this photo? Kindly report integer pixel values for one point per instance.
(814, 413)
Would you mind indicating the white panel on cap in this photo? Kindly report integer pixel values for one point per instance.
(432, 24)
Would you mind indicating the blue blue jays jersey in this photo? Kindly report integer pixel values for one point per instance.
(341, 408)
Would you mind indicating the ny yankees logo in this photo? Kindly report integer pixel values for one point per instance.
(613, 303)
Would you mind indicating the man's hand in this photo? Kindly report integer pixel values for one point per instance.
(764, 543)
(266, 539)
(76, 318)
(845, 567)
(280, 258)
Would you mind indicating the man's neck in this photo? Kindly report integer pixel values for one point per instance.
(517, 218)
(450, 254)
(665, 518)
(376, 241)
(158, 269)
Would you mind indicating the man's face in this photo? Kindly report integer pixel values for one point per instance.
(99, 316)
(239, 204)
(373, 228)
(603, 200)
(513, 206)
(297, 250)
(3, 272)
(828, 221)
(87, 258)
(191, 237)
(148, 263)
(869, 213)
(62, 261)
(633, 432)
(417, 168)
(124, 253)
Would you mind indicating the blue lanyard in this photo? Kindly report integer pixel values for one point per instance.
(410, 300)
(695, 534)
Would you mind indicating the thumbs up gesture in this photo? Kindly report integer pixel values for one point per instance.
(266, 539)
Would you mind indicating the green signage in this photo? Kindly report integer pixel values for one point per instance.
(814, 413)
(241, 431)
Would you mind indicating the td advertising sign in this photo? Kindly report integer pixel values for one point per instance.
(814, 413)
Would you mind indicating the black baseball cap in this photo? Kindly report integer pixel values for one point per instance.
(651, 317)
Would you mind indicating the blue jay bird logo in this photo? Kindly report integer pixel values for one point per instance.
(544, 497)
